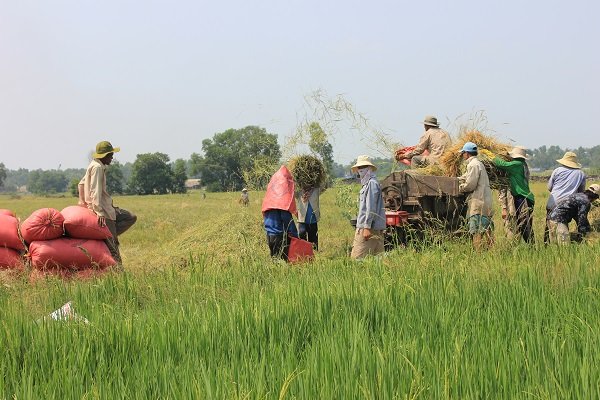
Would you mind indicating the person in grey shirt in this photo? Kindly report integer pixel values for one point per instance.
(370, 222)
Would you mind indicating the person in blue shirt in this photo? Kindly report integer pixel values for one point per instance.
(277, 208)
(370, 222)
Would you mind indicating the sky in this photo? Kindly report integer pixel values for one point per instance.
(163, 75)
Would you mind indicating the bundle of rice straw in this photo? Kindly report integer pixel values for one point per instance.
(308, 171)
(432, 169)
(488, 148)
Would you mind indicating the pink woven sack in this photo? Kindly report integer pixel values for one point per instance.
(9, 233)
(82, 223)
(73, 254)
(43, 224)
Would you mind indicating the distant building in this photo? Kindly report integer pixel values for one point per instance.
(193, 183)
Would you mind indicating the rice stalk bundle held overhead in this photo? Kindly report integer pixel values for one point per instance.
(308, 171)
(488, 148)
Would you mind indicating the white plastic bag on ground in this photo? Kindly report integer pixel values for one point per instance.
(66, 313)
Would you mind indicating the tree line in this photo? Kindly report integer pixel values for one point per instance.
(223, 165)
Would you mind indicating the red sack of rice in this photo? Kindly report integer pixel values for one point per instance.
(4, 211)
(69, 253)
(9, 233)
(403, 150)
(43, 224)
(9, 259)
(82, 223)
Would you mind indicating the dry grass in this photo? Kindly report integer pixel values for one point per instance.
(308, 171)
(489, 148)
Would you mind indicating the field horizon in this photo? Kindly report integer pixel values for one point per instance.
(201, 311)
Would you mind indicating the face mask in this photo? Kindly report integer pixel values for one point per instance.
(362, 172)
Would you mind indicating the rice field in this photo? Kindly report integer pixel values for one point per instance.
(202, 312)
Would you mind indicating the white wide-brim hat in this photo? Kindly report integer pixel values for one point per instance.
(362, 161)
(518, 152)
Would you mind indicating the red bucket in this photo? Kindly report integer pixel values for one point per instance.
(396, 218)
(300, 250)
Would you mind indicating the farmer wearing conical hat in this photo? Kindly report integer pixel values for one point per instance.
(244, 198)
(93, 195)
(434, 140)
(523, 198)
(476, 183)
(575, 207)
(565, 180)
(370, 222)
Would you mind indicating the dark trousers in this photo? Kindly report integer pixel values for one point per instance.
(309, 232)
(279, 245)
(546, 228)
(124, 220)
(524, 209)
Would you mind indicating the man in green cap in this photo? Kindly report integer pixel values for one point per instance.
(93, 195)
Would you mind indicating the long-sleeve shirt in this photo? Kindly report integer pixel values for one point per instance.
(96, 197)
(279, 221)
(313, 201)
(517, 177)
(564, 182)
(371, 213)
(435, 140)
(475, 181)
(576, 207)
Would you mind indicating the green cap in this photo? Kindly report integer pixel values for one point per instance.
(103, 148)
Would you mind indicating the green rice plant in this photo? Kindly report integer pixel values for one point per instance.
(202, 312)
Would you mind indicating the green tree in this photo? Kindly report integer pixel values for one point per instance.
(43, 182)
(195, 165)
(115, 182)
(74, 187)
(319, 144)
(151, 174)
(229, 154)
(2, 173)
(179, 176)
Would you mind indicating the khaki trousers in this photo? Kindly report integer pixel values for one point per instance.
(124, 220)
(559, 233)
(362, 248)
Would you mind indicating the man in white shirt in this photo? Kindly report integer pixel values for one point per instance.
(93, 195)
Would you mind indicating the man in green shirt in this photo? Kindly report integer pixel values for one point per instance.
(519, 188)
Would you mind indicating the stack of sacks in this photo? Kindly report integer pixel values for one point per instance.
(11, 245)
(81, 252)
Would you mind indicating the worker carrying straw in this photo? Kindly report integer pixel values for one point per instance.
(277, 209)
(518, 178)
(476, 183)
